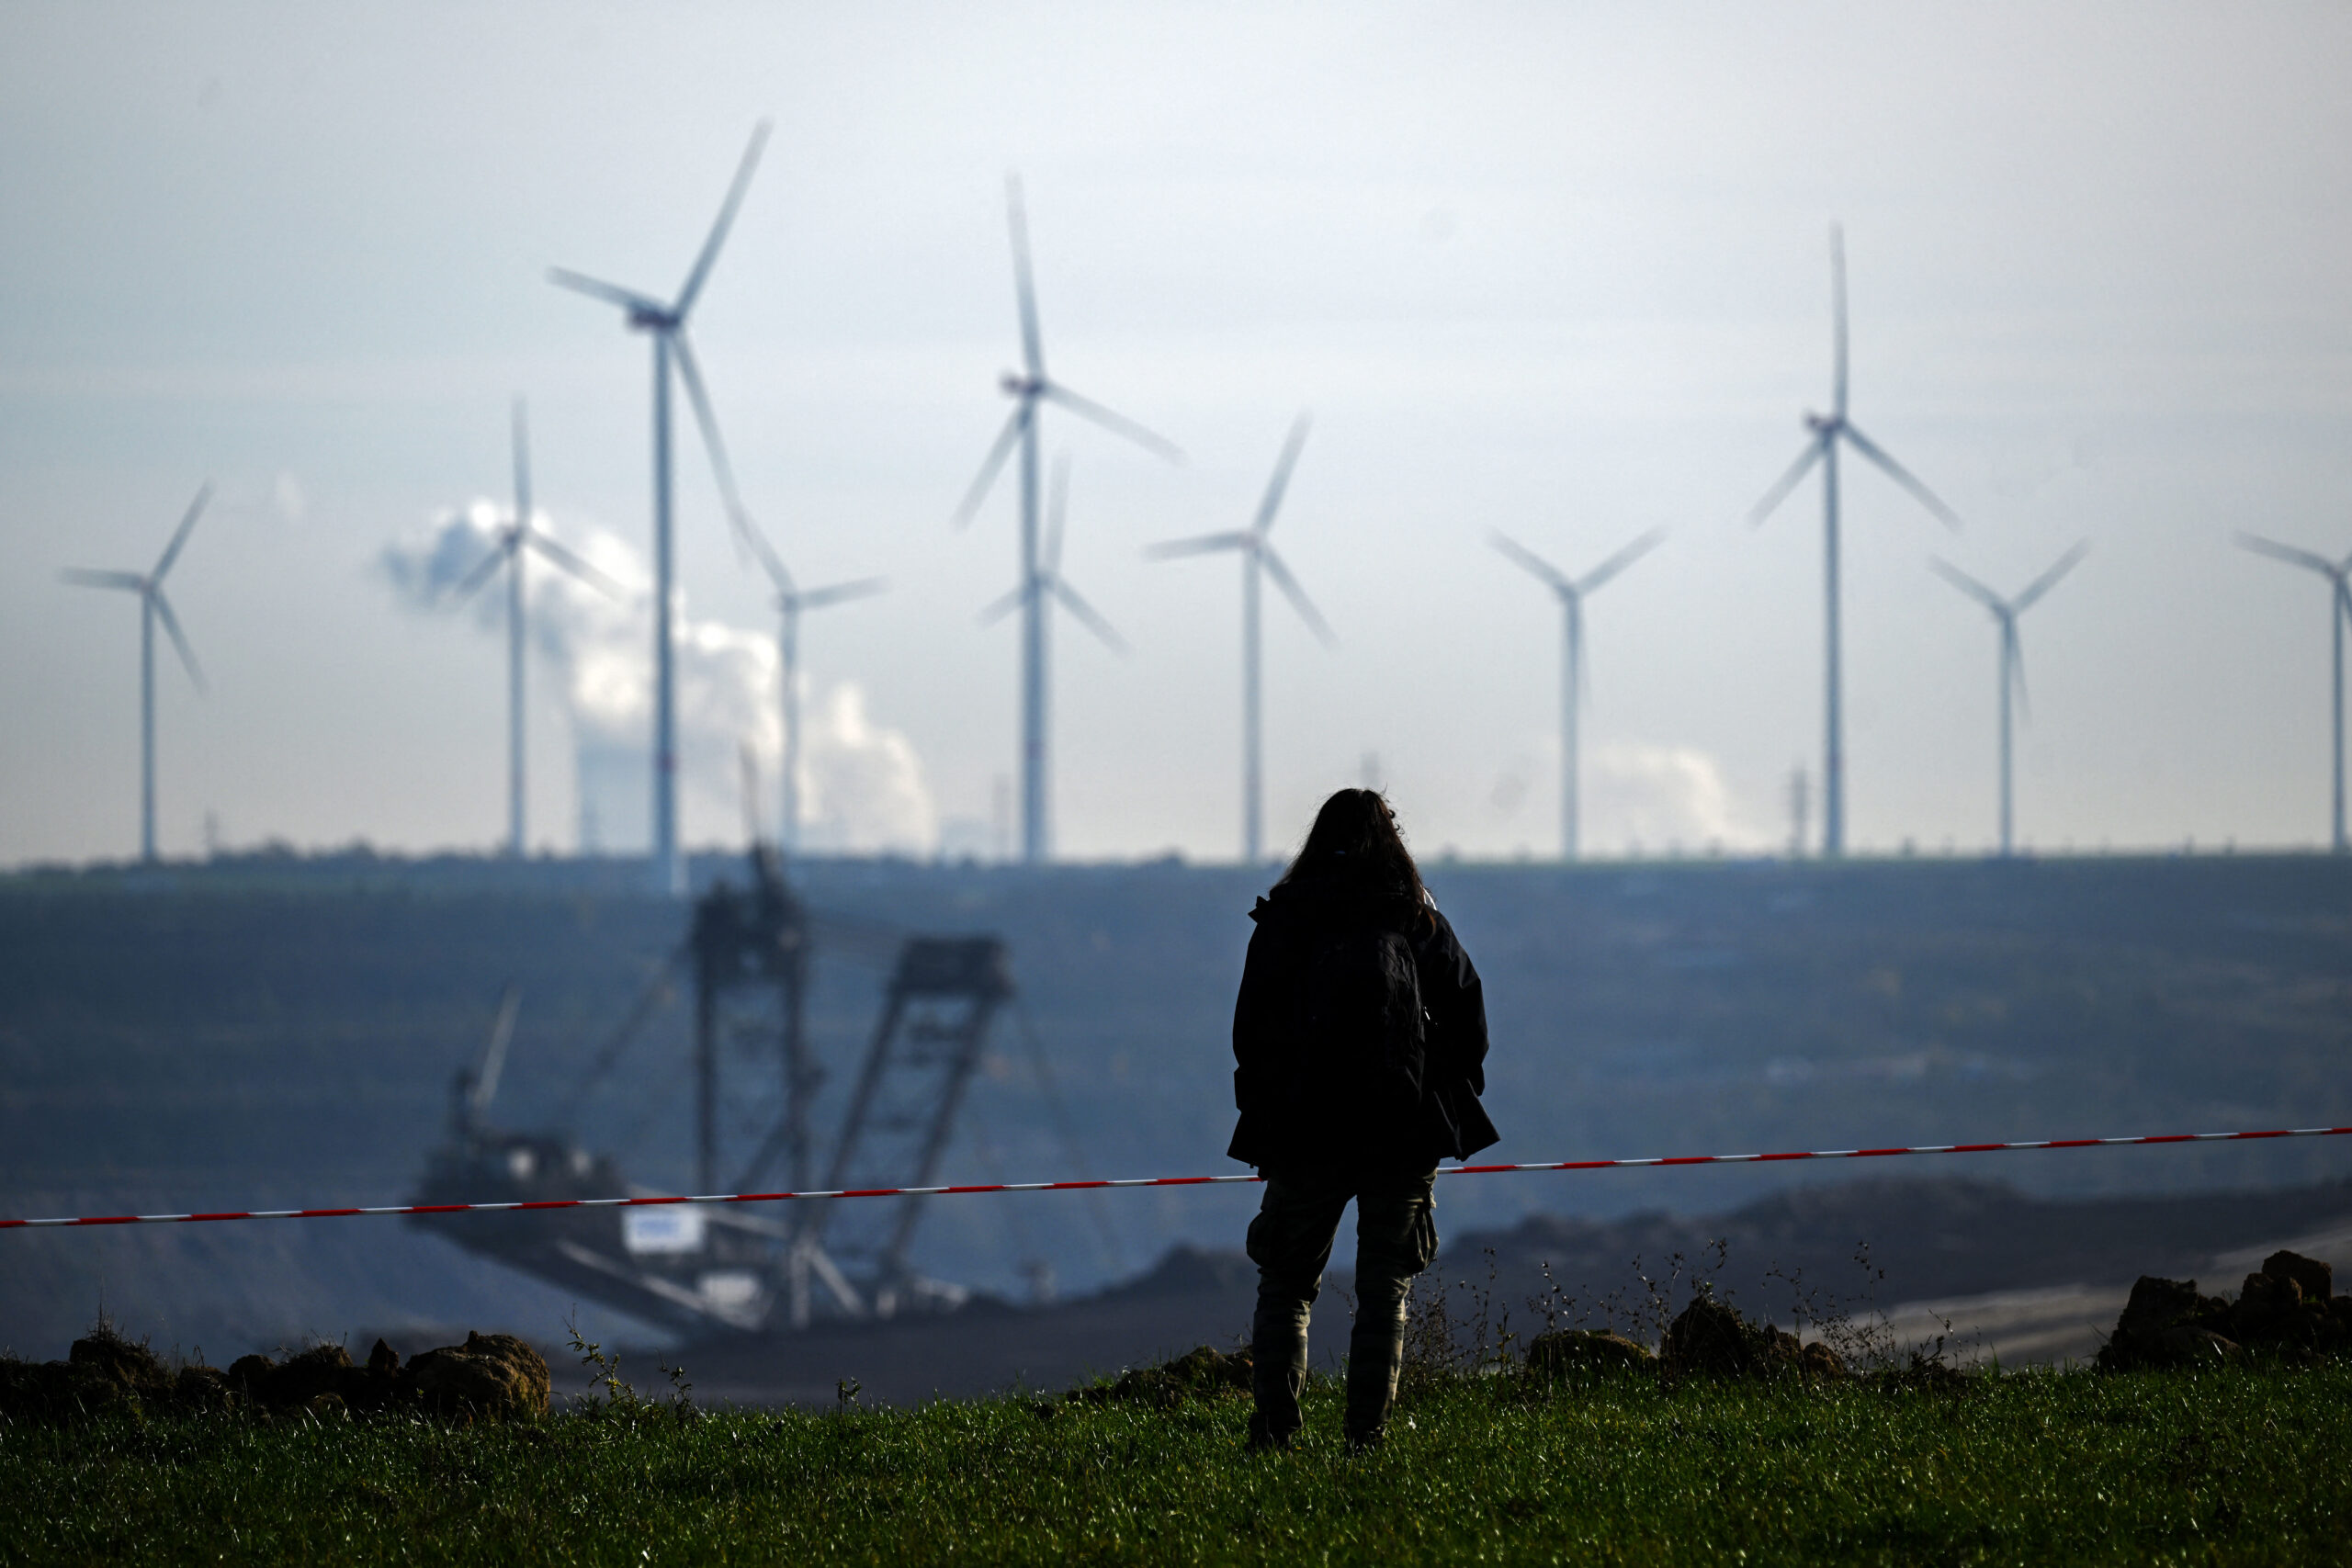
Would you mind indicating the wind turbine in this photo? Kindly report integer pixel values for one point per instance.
(1257, 556)
(1571, 593)
(512, 540)
(1028, 387)
(2005, 615)
(1035, 597)
(791, 600)
(666, 325)
(152, 607)
(1828, 430)
(2339, 577)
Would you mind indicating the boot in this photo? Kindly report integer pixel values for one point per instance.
(1277, 1366)
(1375, 1356)
(1264, 1438)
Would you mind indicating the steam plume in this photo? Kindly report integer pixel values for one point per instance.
(862, 784)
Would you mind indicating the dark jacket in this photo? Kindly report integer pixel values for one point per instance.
(1450, 1123)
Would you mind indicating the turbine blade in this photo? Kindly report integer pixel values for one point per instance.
(997, 609)
(1787, 482)
(1297, 596)
(627, 299)
(842, 593)
(1117, 424)
(1837, 316)
(1542, 569)
(1017, 216)
(1088, 617)
(83, 577)
(179, 536)
(2049, 579)
(770, 562)
(2287, 553)
(990, 465)
(1057, 513)
(470, 584)
(575, 564)
(703, 262)
(1200, 546)
(1621, 561)
(522, 466)
(1901, 476)
(1968, 585)
(1279, 485)
(179, 638)
(713, 442)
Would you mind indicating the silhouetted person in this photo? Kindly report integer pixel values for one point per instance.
(1360, 1038)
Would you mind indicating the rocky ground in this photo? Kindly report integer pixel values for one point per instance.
(2061, 1271)
(491, 1377)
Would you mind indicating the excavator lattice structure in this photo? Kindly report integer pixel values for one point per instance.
(701, 1268)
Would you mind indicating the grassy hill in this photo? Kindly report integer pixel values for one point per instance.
(2226, 1467)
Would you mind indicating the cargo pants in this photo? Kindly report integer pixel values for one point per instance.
(1290, 1241)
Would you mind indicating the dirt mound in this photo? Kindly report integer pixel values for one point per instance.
(1584, 1351)
(1205, 1373)
(491, 1377)
(101, 1371)
(1712, 1340)
(2288, 1310)
(494, 1375)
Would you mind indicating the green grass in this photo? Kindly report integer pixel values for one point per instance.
(2241, 1466)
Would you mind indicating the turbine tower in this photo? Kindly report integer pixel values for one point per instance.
(1028, 387)
(666, 325)
(1257, 556)
(1828, 430)
(1571, 593)
(2339, 601)
(519, 533)
(152, 607)
(2004, 615)
(791, 600)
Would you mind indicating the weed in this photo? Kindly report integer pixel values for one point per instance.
(605, 1371)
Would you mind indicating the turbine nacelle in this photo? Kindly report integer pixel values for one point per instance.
(1015, 385)
(1825, 424)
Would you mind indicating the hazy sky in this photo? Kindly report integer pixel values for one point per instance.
(1555, 269)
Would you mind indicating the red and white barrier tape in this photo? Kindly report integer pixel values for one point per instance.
(1159, 1181)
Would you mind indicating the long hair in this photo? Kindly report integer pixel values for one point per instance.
(1356, 844)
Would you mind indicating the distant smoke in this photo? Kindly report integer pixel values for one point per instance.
(862, 785)
(1659, 797)
(293, 505)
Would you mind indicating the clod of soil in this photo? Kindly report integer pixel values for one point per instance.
(491, 1377)
(101, 1371)
(1584, 1351)
(2288, 1310)
(1205, 1373)
(1712, 1340)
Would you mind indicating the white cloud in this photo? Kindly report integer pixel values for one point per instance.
(862, 787)
(1653, 797)
(862, 784)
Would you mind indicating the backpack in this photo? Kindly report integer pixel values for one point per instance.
(1363, 1033)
